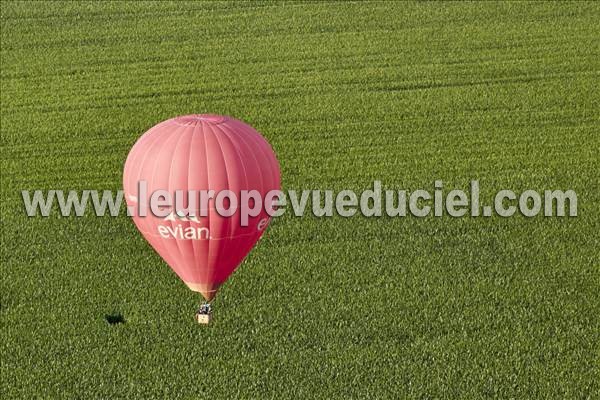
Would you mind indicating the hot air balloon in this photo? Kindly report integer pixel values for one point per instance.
(195, 153)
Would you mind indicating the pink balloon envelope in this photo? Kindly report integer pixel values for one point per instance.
(195, 153)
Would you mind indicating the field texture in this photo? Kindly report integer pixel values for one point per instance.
(346, 93)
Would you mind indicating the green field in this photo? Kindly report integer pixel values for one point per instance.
(346, 93)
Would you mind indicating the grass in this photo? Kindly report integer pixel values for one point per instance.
(506, 93)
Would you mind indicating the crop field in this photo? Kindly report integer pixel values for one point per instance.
(346, 93)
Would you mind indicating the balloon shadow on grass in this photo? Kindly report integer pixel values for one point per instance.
(114, 318)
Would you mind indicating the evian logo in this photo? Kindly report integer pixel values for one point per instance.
(179, 232)
(190, 232)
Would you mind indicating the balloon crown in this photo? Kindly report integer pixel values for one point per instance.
(194, 119)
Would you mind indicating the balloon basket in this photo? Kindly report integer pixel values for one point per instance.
(203, 319)
(204, 314)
